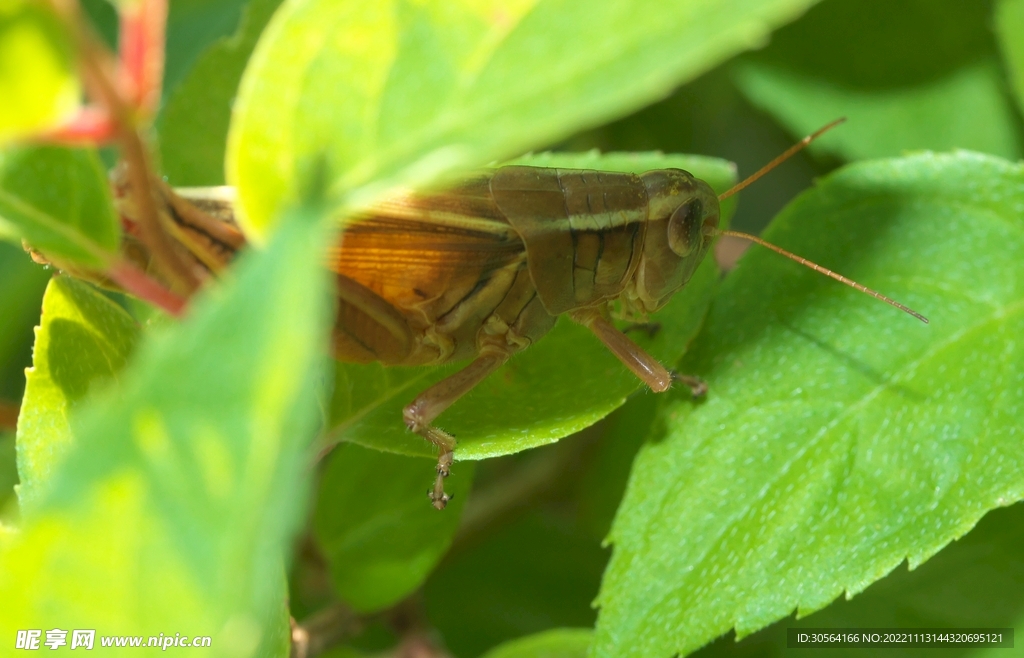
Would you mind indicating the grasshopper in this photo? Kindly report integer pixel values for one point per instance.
(481, 270)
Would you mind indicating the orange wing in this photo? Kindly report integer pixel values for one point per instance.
(424, 253)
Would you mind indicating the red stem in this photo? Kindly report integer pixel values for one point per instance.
(143, 27)
(135, 282)
(8, 415)
(92, 126)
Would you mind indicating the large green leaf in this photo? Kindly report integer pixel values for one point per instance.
(975, 582)
(175, 508)
(380, 536)
(58, 200)
(565, 382)
(839, 437)
(558, 643)
(83, 342)
(1010, 29)
(919, 74)
(37, 70)
(194, 124)
(397, 91)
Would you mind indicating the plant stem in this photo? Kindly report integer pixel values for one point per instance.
(409, 621)
(141, 47)
(135, 282)
(324, 630)
(9, 415)
(99, 74)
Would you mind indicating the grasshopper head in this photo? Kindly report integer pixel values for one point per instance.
(681, 223)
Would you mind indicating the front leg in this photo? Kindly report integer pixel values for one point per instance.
(643, 365)
(429, 404)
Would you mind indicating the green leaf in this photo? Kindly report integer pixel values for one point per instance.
(37, 70)
(8, 470)
(176, 507)
(975, 582)
(564, 383)
(20, 297)
(396, 91)
(82, 344)
(58, 200)
(604, 480)
(558, 643)
(923, 77)
(103, 18)
(194, 123)
(1009, 23)
(839, 437)
(965, 109)
(193, 26)
(537, 573)
(380, 535)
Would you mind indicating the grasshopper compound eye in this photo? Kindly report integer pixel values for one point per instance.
(684, 228)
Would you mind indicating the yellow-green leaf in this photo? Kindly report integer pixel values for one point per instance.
(38, 86)
(372, 94)
(82, 343)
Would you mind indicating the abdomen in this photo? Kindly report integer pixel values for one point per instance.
(583, 230)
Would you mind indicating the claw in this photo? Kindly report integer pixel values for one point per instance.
(439, 503)
(698, 387)
(438, 498)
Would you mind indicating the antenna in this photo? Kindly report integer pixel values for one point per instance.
(796, 148)
(790, 152)
(827, 272)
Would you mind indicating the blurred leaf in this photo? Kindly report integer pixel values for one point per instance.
(20, 297)
(193, 26)
(37, 70)
(376, 527)
(885, 44)
(558, 643)
(83, 342)
(345, 652)
(103, 17)
(8, 469)
(194, 124)
(977, 581)
(966, 109)
(396, 91)
(918, 74)
(839, 437)
(604, 480)
(58, 200)
(538, 573)
(1010, 30)
(177, 504)
(564, 383)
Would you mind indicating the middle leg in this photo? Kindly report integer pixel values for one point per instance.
(432, 402)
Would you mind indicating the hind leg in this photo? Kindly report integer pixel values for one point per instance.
(429, 404)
